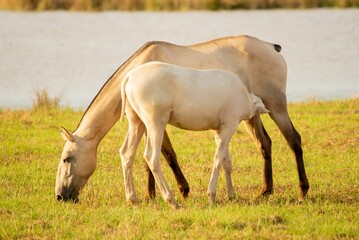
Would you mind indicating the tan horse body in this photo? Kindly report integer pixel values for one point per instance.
(258, 64)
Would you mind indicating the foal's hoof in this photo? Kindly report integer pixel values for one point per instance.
(173, 204)
(232, 197)
(133, 201)
(212, 199)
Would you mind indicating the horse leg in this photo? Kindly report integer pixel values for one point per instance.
(151, 186)
(222, 157)
(152, 156)
(127, 153)
(227, 166)
(263, 142)
(171, 158)
(295, 143)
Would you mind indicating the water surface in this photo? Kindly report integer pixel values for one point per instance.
(73, 54)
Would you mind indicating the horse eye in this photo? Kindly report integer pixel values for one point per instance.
(67, 160)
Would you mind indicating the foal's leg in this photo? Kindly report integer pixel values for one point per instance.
(152, 156)
(281, 118)
(127, 152)
(171, 158)
(263, 142)
(222, 157)
(227, 166)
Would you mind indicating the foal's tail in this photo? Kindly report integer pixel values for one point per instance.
(259, 105)
(123, 96)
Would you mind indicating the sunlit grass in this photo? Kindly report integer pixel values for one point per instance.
(31, 146)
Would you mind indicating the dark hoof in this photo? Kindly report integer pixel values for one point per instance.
(151, 195)
(303, 192)
(184, 192)
(266, 192)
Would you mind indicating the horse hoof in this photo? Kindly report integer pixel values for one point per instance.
(212, 199)
(184, 191)
(133, 201)
(266, 193)
(303, 191)
(173, 204)
(232, 197)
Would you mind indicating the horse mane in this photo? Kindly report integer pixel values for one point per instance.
(110, 79)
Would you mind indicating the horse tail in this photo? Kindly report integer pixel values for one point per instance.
(123, 96)
(277, 47)
(259, 105)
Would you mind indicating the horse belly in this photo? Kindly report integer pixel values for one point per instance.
(195, 119)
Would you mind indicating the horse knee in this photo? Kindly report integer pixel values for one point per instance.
(227, 165)
(122, 152)
(154, 166)
(152, 162)
(126, 158)
(218, 161)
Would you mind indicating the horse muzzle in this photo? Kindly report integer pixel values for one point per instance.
(72, 197)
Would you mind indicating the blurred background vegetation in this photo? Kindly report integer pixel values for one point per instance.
(168, 5)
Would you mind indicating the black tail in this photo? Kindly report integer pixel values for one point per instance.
(277, 47)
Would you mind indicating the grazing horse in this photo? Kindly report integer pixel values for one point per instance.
(258, 64)
(156, 94)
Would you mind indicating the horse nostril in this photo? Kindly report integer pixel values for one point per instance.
(59, 198)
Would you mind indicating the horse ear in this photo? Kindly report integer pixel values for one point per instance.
(66, 135)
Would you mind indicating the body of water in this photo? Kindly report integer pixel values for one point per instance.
(73, 54)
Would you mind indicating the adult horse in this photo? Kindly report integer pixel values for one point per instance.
(258, 64)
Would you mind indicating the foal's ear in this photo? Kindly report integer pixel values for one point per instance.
(66, 135)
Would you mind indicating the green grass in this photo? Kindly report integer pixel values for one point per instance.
(31, 146)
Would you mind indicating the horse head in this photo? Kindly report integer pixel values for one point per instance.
(77, 163)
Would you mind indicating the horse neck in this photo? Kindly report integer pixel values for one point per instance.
(104, 111)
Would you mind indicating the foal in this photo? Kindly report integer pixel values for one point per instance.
(156, 94)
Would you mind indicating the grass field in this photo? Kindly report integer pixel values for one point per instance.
(31, 146)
